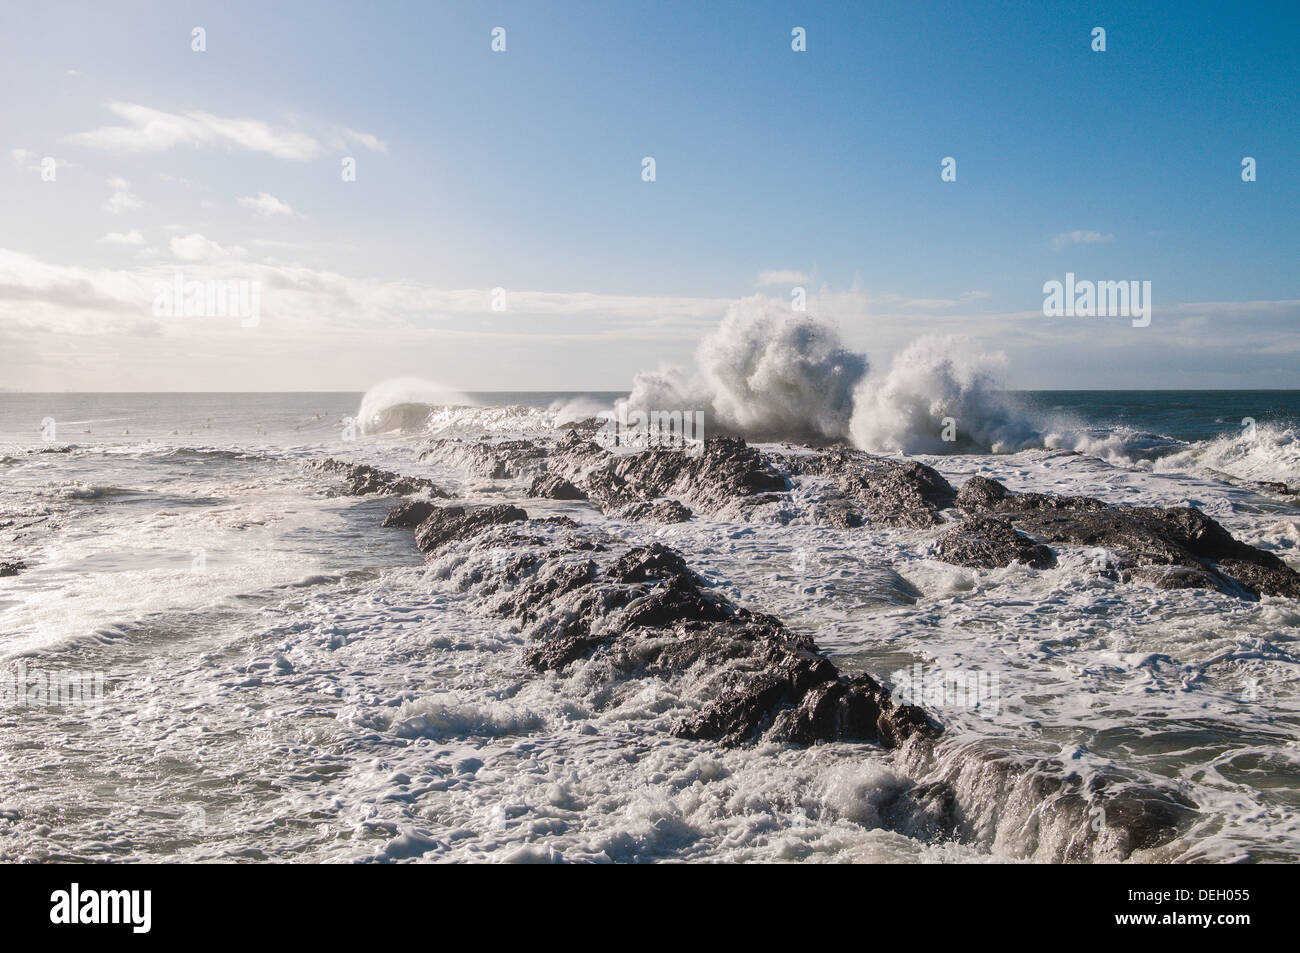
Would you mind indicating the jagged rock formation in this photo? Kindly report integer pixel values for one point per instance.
(642, 611)
(409, 514)
(986, 542)
(598, 609)
(361, 479)
(889, 492)
(1174, 547)
(551, 487)
(727, 479)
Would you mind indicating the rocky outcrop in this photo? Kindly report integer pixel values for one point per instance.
(361, 479)
(725, 478)
(1173, 547)
(599, 611)
(409, 514)
(888, 492)
(1045, 809)
(640, 611)
(551, 487)
(11, 567)
(661, 511)
(987, 542)
(447, 523)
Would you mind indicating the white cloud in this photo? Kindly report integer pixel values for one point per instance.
(318, 331)
(931, 304)
(29, 161)
(120, 202)
(119, 183)
(132, 237)
(266, 205)
(195, 247)
(153, 130)
(1079, 237)
(780, 277)
(370, 141)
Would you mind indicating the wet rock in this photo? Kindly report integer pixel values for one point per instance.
(980, 493)
(640, 611)
(551, 487)
(660, 511)
(1046, 808)
(448, 523)
(1145, 538)
(361, 479)
(494, 459)
(725, 471)
(11, 567)
(409, 513)
(644, 563)
(724, 478)
(985, 542)
(890, 492)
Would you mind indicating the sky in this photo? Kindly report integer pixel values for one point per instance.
(522, 170)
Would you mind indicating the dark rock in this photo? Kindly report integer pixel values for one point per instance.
(980, 493)
(362, 479)
(551, 487)
(644, 563)
(1146, 539)
(660, 511)
(985, 542)
(890, 492)
(448, 523)
(409, 513)
(11, 567)
(647, 613)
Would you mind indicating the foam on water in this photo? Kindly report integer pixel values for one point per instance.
(319, 693)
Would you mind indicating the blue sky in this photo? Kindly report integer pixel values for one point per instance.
(522, 170)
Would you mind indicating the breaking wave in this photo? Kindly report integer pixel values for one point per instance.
(404, 404)
(766, 373)
(769, 374)
(941, 395)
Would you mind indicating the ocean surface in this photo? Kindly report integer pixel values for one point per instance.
(283, 679)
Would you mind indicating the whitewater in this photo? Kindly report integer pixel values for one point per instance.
(287, 679)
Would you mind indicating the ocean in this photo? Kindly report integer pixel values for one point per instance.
(261, 671)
